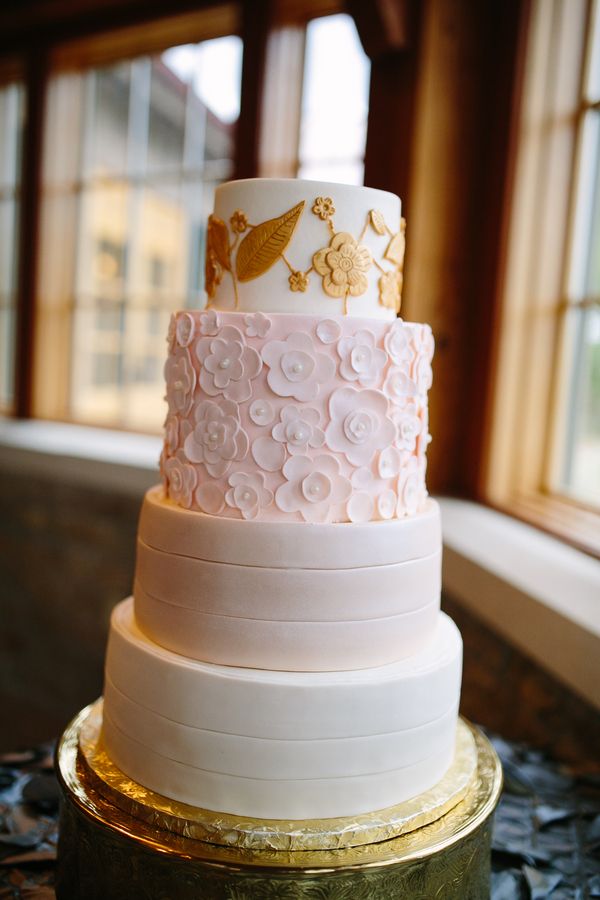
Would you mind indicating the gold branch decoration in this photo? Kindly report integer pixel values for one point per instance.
(342, 265)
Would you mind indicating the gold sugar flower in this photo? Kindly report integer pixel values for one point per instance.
(343, 265)
(239, 221)
(390, 285)
(323, 208)
(298, 281)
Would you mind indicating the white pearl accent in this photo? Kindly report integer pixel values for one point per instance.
(297, 368)
(298, 435)
(225, 363)
(246, 495)
(261, 412)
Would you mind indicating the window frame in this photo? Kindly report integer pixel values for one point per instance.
(528, 372)
(92, 45)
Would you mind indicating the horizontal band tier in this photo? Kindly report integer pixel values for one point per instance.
(287, 545)
(284, 798)
(285, 705)
(249, 757)
(291, 619)
(287, 595)
(298, 646)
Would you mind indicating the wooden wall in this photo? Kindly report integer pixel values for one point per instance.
(443, 101)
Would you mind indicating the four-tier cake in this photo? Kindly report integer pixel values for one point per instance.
(284, 655)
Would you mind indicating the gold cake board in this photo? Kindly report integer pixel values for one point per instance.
(114, 846)
(261, 834)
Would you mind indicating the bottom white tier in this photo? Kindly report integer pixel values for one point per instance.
(280, 745)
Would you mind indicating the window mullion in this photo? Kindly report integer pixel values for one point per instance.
(137, 167)
(36, 80)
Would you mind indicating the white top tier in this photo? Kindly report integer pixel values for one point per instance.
(290, 246)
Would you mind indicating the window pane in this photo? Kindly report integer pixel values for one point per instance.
(155, 136)
(105, 117)
(593, 74)
(582, 470)
(335, 102)
(583, 264)
(11, 130)
(581, 450)
(167, 113)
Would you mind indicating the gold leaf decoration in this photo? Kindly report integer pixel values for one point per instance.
(218, 241)
(377, 221)
(390, 288)
(397, 245)
(217, 258)
(263, 246)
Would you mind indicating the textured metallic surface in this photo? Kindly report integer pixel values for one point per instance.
(255, 834)
(104, 852)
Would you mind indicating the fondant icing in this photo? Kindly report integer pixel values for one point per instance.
(284, 654)
(280, 744)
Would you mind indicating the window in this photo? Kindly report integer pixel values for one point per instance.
(11, 127)
(124, 207)
(135, 140)
(316, 102)
(544, 450)
(335, 102)
(577, 468)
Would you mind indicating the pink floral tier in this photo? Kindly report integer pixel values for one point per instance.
(296, 417)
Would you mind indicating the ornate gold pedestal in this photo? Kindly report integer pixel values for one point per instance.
(115, 845)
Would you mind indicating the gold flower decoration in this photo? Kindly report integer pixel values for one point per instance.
(298, 281)
(323, 208)
(217, 254)
(239, 221)
(343, 265)
(390, 285)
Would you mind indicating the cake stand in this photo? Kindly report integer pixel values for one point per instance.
(119, 841)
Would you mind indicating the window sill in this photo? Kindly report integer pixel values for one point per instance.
(94, 457)
(539, 593)
(559, 516)
(542, 595)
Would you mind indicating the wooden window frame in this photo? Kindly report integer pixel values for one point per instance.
(523, 418)
(101, 36)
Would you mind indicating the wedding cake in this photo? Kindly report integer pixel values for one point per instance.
(284, 655)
